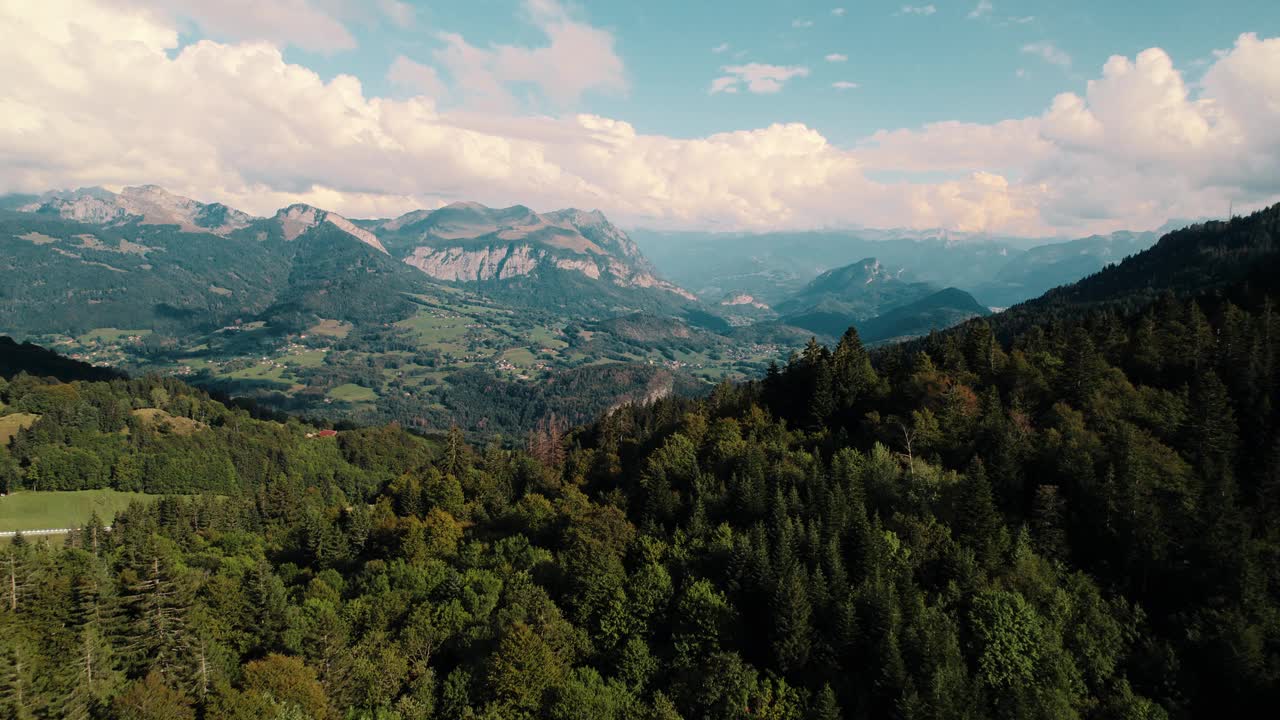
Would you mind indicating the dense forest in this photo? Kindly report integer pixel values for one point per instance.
(1064, 511)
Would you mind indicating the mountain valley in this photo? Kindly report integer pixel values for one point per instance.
(430, 317)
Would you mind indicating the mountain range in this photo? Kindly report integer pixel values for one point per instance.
(427, 317)
(771, 267)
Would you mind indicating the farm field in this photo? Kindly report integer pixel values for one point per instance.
(41, 510)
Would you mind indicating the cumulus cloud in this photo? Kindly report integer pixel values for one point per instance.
(578, 58)
(836, 58)
(721, 48)
(758, 78)
(982, 9)
(801, 23)
(415, 77)
(94, 95)
(300, 23)
(1139, 146)
(1048, 52)
(925, 10)
(838, 12)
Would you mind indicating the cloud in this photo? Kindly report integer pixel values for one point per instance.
(725, 84)
(801, 23)
(97, 96)
(983, 9)
(835, 58)
(400, 13)
(1138, 146)
(759, 78)
(838, 12)
(722, 47)
(924, 10)
(299, 23)
(844, 85)
(418, 78)
(577, 59)
(1048, 52)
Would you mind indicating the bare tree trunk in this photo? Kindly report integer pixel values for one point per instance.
(13, 584)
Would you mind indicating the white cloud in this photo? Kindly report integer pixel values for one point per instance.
(284, 22)
(844, 85)
(1048, 52)
(835, 58)
(801, 23)
(983, 9)
(418, 78)
(925, 10)
(400, 13)
(94, 95)
(1020, 73)
(722, 47)
(578, 58)
(838, 12)
(759, 78)
(725, 84)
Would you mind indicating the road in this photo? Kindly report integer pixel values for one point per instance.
(49, 531)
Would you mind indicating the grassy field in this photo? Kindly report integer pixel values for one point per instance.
(35, 510)
(331, 328)
(308, 358)
(266, 371)
(353, 393)
(110, 335)
(11, 424)
(178, 425)
(520, 356)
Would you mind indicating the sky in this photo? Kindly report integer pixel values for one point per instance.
(1016, 117)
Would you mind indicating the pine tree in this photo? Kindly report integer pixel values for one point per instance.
(1213, 433)
(157, 604)
(17, 676)
(825, 706)
(93, 668)
(792, 617)
(978, 523)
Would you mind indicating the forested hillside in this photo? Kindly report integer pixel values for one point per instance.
(1069, 512)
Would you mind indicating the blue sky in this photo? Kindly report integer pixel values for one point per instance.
(965, 61)
(1027, 117)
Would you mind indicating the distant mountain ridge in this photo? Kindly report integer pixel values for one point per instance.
(469, 242)
(771, 267)
(859, 290)
(462, 242)
(149, 204)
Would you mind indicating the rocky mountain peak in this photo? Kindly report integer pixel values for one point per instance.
(146, 204)
(298, 218)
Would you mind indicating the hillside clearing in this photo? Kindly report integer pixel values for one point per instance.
(11, 424)
(40, 510)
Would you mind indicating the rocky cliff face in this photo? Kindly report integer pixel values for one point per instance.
(299, 218)
(461, 242)
(461, 265)
(468, 242)
(148, 204)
